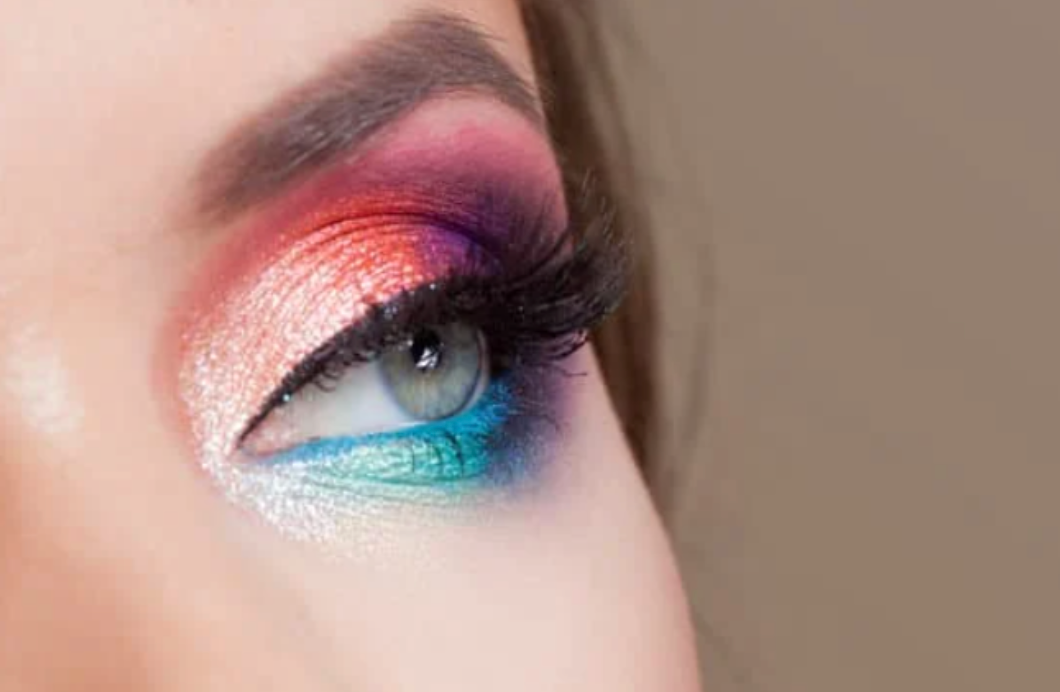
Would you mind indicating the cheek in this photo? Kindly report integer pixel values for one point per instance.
(569, 588)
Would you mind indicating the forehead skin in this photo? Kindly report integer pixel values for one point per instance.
(120, 567)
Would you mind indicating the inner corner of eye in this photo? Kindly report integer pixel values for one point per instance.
(438, 372)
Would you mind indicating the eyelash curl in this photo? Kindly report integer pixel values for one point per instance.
(534, 294)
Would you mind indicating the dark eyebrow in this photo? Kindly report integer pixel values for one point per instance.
(426, 55)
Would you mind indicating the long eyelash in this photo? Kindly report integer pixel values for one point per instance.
(538, 308)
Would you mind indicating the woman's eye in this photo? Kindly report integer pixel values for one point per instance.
(332, 365)
(438, 373)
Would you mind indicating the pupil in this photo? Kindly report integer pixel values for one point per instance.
(426, 351)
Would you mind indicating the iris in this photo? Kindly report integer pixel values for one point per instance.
(436, 373)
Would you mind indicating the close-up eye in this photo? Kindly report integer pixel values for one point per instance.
(410, 320)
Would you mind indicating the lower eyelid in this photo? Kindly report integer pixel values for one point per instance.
(489, 455)
(499, 440)
(459, 448)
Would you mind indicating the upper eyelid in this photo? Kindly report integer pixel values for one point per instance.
(539, 256)
(481, 260)
(534, 250)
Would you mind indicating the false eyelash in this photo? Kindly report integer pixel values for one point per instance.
(536, 309)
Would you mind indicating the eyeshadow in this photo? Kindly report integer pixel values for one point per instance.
(394, 218)
(322, 490)
(442, 196)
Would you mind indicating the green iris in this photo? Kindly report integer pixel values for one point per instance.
(437, 373)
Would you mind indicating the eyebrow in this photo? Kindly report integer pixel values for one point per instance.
(428, 54)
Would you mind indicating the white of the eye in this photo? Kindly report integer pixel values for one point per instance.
(358, 403)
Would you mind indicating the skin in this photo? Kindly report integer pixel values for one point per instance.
(121, 566)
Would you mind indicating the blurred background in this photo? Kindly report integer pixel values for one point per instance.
(862, 476)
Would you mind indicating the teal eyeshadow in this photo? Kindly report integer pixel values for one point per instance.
(493, 443)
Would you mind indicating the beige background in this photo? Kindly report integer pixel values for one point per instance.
(869, 191)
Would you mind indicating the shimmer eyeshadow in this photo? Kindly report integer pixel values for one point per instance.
(441, 196)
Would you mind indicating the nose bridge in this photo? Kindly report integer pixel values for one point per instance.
(117, 578)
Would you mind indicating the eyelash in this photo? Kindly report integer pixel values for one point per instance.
(534, 300)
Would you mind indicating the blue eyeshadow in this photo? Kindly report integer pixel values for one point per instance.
(496, 442)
